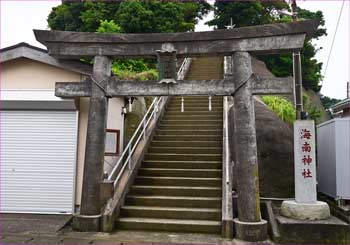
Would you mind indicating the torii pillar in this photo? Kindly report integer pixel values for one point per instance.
(90, 210)
(248, 226)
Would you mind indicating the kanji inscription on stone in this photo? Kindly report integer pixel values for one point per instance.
(305, 161)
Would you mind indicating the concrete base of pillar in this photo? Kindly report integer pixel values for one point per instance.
(87, 222)
(312, 211)
(251, 231)
(227, 229)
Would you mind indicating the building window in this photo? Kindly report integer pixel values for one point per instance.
(112, 142)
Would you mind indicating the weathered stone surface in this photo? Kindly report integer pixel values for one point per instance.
(245, 140)
(262, 39)
(327, 231)
(95, 139)
(86, 222)
(314, 101)
(275, 153)
(251, 231)
(116, 87)
(309, 211)
(305, 161)
(296, 231)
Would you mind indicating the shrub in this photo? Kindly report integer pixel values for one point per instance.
(283, 108)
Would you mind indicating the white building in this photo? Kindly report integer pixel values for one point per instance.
(42, 136)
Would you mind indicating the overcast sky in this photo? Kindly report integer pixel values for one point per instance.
(18, 18)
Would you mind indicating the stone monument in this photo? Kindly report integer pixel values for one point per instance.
(305, 206)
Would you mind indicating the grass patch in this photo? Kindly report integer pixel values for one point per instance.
(283, 108)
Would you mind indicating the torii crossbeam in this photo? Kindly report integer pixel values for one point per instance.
(242, 84)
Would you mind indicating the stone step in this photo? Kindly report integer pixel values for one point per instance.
(178, 181)
(188, 137)
(206, 69)
(197, 98)
(203, 102)
(181, 172)
(186, 150)
(194, 110)
(183, 157)
(217, 121)
(191, 117)
(171, 212)
(156, 143)
(209, 74)
(187, 127)
(188, 104)
(173, 225)
(174, 201)
(193, 105)
(176, 190)
(182, 164)
(195, 113)
(189, 132)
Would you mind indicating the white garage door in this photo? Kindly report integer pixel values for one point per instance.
(38, 159)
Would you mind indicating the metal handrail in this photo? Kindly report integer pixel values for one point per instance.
(130, 147)
(151, 113)
(227, 180)
(226, 148)
(183, 68)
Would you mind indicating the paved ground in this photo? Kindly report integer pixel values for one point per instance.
(33, 223)
(120, 237)
(53, 229)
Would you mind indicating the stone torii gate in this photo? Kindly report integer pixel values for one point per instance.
(239, 43)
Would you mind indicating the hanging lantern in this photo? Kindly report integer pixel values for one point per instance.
(167, 63)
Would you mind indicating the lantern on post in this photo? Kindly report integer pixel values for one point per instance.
(167, 63)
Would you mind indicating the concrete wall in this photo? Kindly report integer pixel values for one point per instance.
(27, 74)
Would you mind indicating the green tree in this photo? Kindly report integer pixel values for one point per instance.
(132, 16)
(328, 102)
(259, 12)
(135, 69)
(83, 16)
(108, 27)
(244, 13)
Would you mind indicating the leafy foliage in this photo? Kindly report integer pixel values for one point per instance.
(129, 69)
(147, 74)
(245, 13)
(328, 102)
(283, 108)
(83, 16)
(108, 27)
(132, 16)
(266, 12)
(158, 16)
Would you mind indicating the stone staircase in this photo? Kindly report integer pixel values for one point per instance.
(178, 187)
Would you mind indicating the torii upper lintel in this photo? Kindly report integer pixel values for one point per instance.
(263, 39)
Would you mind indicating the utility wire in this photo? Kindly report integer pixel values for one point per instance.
(335, 33)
